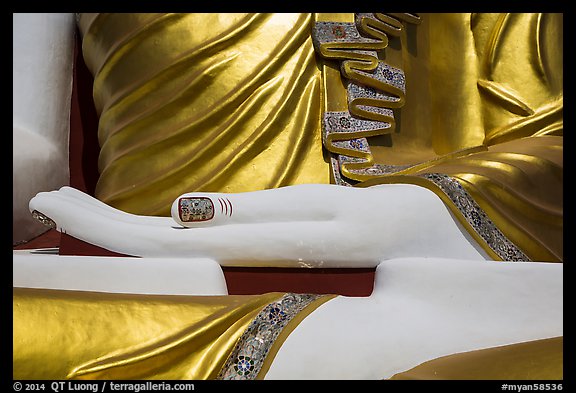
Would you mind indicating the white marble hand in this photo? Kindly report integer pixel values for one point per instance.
(311, 225)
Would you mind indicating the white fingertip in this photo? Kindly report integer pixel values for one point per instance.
(174, 212)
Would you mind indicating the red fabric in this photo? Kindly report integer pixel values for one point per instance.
(347, 282)
(84, 146)
(69, 245)
(49, 239)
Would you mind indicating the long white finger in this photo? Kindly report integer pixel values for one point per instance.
(305, 202)
(99, 206)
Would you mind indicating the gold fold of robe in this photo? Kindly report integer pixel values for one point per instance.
(532, 360)
(59, 334)
(215, 102)
(469, 101)
(508, 197)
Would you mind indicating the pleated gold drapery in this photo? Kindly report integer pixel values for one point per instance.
(202, 102)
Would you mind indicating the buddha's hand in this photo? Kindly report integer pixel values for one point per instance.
(310, 225)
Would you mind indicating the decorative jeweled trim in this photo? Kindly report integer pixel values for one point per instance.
(355, 91)
(354, 145)
(328, 32)
(343, 122)
(194, 209)
(44, 219)
(477, 218)
(247, 357)
(387, 74)
(371, 93)
(380, 170)
(337, 173)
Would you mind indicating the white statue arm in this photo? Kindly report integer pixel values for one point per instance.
(310, 225)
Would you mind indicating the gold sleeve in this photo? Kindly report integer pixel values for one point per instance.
(467, 105)
(62, 334)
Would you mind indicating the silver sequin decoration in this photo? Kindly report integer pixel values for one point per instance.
(344, 159)
(354, 149)
(337, 173)
(326, 32)
(44, 219)
(354, 145)
(387, 74)
(355, 91)
(380, 170)
(193, 209)
(477, 218)
(343, 122)
(247, 357)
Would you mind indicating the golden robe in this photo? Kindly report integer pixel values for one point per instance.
(468, 105)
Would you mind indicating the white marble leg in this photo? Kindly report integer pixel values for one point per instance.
(422, 309)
